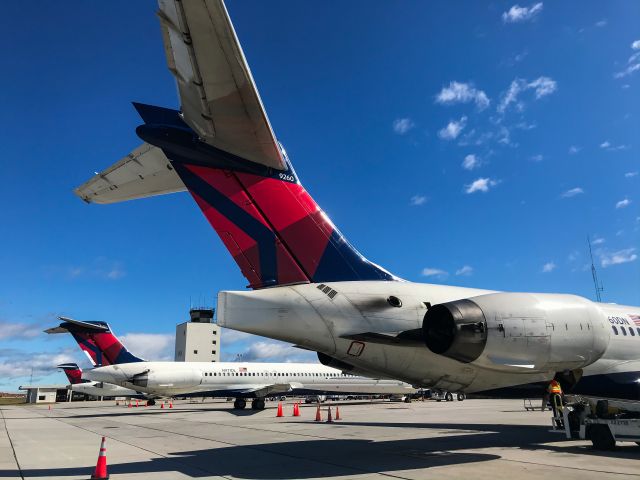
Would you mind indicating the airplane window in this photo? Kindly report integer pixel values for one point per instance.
(615, 330)
(624, 331)
(633, 334)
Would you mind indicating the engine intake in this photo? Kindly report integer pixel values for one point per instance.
(456, 330)
(505, 331)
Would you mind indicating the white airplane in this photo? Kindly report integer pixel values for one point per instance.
(243, 380)
(96, 389)
(310, 286)
(117, 368)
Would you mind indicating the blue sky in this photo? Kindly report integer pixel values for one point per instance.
(464, 143)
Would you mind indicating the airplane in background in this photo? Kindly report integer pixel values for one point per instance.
(310, 286)
(116, 366)
(96, 389)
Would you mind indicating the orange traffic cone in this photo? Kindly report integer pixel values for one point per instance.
(318, 414)
(279, 414)
(162, 405)
(337, 413)
(170, 404)
(136, 402)
(296, 410)
(130, 404)
(329, 419)
(49, 407)
(100, 473)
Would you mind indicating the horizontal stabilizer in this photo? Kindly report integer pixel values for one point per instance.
(96, 327)
(66, 366)
(219, 99)
(145, 172)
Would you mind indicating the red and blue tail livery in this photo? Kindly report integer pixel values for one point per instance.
(73, 373)
(96, 341)
(275, 231)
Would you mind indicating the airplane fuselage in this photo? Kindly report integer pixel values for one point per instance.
(528, 338)
(240, 379)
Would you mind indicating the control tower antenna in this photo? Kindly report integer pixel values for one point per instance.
(598, 285)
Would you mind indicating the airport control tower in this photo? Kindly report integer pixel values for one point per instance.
(198, 340)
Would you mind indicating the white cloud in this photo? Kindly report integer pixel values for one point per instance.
(606, 145)
(542, 86)
(16, 363)
(434, 272)
(537, 158)
(572, 192)
(22, 331)
(630, 174)
(465, 271)
(598, 241)
(517, 14)
(150, 346)
(453, 129)
(573, 149)
(274, 351)
(548, 267)
(633, 63)
(623, 203)
(418, 200)
(480, 185)
(458, 92)
(402, 125)
(616, 258)
(601, 23)
(471, 162)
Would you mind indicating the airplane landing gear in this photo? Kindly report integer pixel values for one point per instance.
(239, 403)
(257, 404)
(151, 402)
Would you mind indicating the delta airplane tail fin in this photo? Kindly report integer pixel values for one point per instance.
(224, 151)
(97, 341)
(73, 372)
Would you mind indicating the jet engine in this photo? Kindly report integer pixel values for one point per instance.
(506, 331)
(150, 379)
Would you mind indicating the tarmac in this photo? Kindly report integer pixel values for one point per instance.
(474, 439)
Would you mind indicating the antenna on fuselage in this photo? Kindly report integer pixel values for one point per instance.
(598, 285)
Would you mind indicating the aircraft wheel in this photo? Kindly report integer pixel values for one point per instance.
(407, 399)
(151, 403)
(461, 397)
(258, 404)
(448, 397)
(239, 403)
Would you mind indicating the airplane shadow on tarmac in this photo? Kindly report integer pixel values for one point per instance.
(342, 457)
